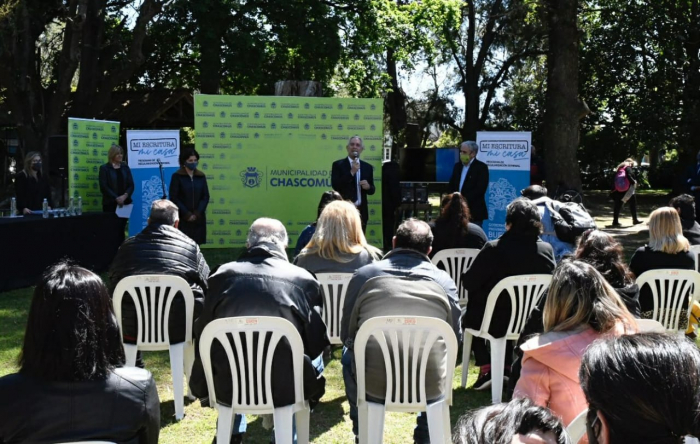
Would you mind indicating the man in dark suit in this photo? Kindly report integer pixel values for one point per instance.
(353, 178)
(470, 177)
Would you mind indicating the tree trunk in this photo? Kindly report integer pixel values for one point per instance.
(301, 88)
(395, 105)
(563, 109)
(691, 89)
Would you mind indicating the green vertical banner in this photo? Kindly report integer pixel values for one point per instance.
(88, 143)
(272, 157)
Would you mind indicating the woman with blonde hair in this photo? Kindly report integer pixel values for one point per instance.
(116, 181)
(624, 185)
(667, 249)
(31, 186)
(338, 244)
(581, 307)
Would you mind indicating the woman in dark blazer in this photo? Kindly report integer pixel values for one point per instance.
(190, 192)
(116, 182)
(518, 251)
(31, 185)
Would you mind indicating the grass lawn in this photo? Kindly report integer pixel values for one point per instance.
(330, 422)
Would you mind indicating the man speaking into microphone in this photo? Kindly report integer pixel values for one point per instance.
(353, 178)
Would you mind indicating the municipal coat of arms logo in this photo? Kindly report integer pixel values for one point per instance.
(251, 177)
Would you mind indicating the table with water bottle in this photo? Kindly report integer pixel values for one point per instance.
(35, 241)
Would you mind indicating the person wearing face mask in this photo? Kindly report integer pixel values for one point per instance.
(190, 192)
(354, 178)
(692, 183)
(31, 185)
(116, 182)
(470, 177)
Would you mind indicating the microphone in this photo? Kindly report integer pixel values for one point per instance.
(159, 162)
(355, 154)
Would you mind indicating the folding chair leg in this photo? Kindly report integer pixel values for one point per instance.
(177, 366)
(371, 423)
(466, 352)
(189, 363)
(437, 412)
(301, 418)
(284, 424)
(224, 425)
(498, 358)
(130, 350)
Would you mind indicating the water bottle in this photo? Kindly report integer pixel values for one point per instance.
(13, 207)
(45, 209)
(71, 207)
(80, 206)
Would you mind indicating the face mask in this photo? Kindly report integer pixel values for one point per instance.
(37, 166)
(464, 158)
(191, 165)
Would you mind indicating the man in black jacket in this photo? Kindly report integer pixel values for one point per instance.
(263, 283)
(470, 177)
(685, 205)
(161, 249)
(354, 178)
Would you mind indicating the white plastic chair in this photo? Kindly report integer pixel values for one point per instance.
(456, 261)
(424, 331)
(695, 251)
(255, 389)
(672, 292)
(650, 326)
(524, 291)
(154, 295)
(334, 285)
(577, 429)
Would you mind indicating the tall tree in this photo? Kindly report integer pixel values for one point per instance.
(564, 109)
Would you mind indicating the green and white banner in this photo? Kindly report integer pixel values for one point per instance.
(272, 157)
(88, 144)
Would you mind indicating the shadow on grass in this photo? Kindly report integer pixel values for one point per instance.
(167, 411)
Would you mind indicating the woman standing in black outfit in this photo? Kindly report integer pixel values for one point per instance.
(116, 182)
(31, 185)
(618, 193)
(190, 192)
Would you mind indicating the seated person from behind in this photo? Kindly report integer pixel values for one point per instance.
(516, 422)
(305, 236)
(161, 249)
(685, 205)
(71, 384)
(518, 251)
(262, 282)
(546, 207)
(338, 245)
(404, 283)
(641, 388)
(452, 228)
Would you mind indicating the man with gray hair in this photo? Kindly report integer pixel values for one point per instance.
(262, 282)
(403, 283)
(354, 178)
(470, 177)
(160, 248)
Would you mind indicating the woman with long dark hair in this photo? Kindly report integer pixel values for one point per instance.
(452, 228)
(641, 388)
(71, 385)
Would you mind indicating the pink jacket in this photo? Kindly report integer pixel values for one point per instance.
(549, 375)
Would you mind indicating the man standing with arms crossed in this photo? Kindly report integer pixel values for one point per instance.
(354, 178)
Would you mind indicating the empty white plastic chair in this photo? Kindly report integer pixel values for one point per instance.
(153, 294)
(672, 292)
(334, 286)
(418, 335)
(650, 326)
(524, 291)
(254, 394)
(577, 428)
(455, 262)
